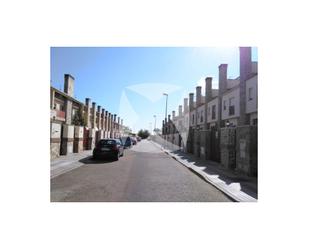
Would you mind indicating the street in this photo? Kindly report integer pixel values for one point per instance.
(143, 174)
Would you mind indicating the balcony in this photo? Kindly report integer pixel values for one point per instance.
(57, 115)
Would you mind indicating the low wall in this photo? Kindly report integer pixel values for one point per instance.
(228, 147)
(78, 139)
(246, 150)
(67, 139)
(55, 140)
(91, 139)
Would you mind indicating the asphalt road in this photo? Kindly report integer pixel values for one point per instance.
(144, 174)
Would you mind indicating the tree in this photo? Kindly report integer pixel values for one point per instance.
(79, 119)
(143, 133)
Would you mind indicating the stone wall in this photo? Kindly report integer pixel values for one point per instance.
(92, 138)
(67, 139)
(207, 144)
(246, 149)
(196, 143)
(202, 137)
(55, 139)
(228, 147)
(78, 139)
(190, 141)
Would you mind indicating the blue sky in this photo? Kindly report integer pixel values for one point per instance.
(129, 81)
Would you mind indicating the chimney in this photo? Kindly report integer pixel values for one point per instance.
(69, 85)
(245, 66)
(198, 95)
(191, 96)
(169, 117)
(185, 104)
(110, 116)
(99, 117)
(173, 115)
(222, 78)
(180, 110)
(208, 89)
(93, 115)
(103, 119)
(118, 120)
(88, 121)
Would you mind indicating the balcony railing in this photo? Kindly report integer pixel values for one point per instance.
(57, 115)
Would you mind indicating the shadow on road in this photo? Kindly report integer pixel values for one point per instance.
(90, 160)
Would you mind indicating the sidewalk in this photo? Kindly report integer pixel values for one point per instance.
(239, 187)
(67, 163)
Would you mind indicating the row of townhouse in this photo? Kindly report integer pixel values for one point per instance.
(77, 126)
(201, 126)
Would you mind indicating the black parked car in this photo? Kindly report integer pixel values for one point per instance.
(127, 142)
(108, 148)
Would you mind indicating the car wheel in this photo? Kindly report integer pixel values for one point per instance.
(94, 157)
(117, 156)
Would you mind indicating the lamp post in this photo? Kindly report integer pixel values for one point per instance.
(165, 115)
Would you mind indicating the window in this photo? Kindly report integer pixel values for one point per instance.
(224, 105)
(201, 117)
(192, 118)
(213, 112)
(208, 111)
(250, 97)
(232, 106)
(57, 106)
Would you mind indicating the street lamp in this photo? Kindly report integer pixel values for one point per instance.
(165, 115)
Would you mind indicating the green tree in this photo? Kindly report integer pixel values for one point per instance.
(143, 133)
(79, 119)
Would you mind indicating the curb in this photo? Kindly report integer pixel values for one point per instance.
(230, 191)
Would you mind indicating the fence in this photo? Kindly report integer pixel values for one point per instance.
(234, 147)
